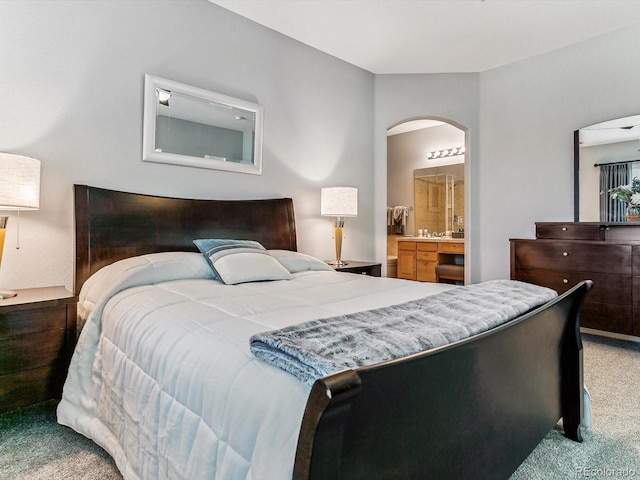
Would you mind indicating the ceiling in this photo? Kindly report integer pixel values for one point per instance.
(438, 36)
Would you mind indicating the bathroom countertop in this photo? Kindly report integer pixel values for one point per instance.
(431, 239)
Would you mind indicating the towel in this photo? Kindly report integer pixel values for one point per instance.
(400, 215)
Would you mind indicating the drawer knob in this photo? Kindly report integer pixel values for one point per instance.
(564, 229)
(565, 254)
(564, 280)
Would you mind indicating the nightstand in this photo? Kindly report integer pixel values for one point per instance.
(363, 268)
(37, 337)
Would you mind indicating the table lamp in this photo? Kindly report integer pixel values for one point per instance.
(19, 190)
(339, 202)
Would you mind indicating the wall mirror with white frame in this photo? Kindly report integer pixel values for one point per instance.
(190, 126)
(606, 155)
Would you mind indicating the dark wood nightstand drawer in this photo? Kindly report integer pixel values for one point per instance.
(31, 386)
(33, 320)
(24, 352)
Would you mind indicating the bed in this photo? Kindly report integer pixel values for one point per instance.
(473, 408)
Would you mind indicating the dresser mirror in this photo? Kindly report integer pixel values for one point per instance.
(186, 125)
(606, 155)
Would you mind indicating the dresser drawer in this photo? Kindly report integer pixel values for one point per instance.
(607, 316)
(569, 231)
(32, 320)
(574, 256)
(24, 352)
(622, 232)
(606, 288)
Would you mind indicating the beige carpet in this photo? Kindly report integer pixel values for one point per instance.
(612, 448)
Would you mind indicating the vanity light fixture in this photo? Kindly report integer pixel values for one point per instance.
(19, 190)
(447, 152)
(339, 202)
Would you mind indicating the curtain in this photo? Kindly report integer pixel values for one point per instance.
(611, 176)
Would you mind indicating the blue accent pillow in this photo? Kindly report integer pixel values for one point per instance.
(240, 261)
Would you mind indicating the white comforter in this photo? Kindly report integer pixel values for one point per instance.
(163, 378)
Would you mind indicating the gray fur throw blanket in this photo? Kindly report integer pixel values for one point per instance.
(317, 348)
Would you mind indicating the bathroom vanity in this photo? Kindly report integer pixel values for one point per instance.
(436, 259)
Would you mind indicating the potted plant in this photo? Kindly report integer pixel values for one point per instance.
(629, 194)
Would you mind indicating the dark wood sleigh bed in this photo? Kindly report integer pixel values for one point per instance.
(472, 409)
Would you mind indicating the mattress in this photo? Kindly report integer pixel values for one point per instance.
(162, 376)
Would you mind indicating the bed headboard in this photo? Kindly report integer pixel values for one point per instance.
(112, 225)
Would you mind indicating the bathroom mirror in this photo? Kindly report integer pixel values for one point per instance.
(605, 146)
(185, 125)
(439, 199)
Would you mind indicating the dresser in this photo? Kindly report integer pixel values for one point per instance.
(37, 335)
(419, 258)
(562, 254)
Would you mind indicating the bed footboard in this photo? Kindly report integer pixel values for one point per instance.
(472, 409)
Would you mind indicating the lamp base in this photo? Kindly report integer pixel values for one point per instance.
(7, 294)
(338, 263)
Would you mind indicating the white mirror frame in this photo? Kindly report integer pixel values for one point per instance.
(149, 152)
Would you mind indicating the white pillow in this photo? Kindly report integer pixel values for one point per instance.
(299, 262)
(240, 261)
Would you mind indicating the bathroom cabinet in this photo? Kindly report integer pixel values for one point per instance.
(407, 260)
(418, 258)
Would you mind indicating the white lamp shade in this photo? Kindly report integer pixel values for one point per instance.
(339, 201)
(19, 182)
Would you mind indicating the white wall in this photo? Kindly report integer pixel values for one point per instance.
(71, 90)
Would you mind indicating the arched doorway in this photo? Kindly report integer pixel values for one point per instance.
(427, 157)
